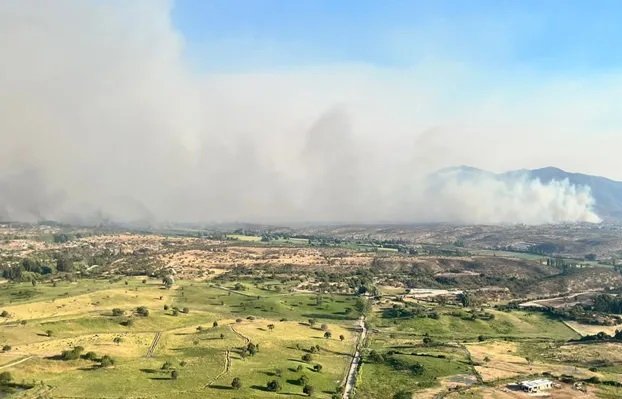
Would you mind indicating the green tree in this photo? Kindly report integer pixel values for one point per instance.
(5, 378)
(274, 386)
(308, 390)
(236, 383)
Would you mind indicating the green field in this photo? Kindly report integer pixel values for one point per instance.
(205, 360)
(516, 324)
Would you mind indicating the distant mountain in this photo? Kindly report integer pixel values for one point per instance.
(607, 193)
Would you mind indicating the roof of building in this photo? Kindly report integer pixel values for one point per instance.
(535, 383)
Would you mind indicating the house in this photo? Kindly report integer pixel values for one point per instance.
(534, 386)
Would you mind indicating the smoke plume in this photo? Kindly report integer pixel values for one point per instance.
(101, 118)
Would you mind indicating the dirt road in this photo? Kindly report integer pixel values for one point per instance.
(356, 360)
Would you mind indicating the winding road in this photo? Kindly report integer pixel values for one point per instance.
(356, 361)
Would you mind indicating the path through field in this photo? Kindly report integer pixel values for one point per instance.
(356, 360)
(16, 362)
(156, 339)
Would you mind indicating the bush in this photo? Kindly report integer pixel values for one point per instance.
(403, 395)
(308, 389)
(72, 354)
(142, 311)
(117, 312)
(5, 378)
(307, 357)
(274, 386)
(236, 383)
(106, 361)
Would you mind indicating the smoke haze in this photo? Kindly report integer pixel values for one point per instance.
(102, 119)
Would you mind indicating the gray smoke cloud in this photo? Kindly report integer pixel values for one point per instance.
(102, 119)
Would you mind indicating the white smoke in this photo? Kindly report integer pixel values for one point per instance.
(101, 118)
(492, 199)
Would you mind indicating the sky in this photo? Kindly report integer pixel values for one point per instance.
(290, 111)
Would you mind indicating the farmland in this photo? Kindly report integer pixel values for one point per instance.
(262, 315)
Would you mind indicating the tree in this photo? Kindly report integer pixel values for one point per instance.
(215, 324)
(403, 395)
(376, 357)
(324, 327)
(307, 357)
(317, 368)
(341, 337)
(106, 361)
(117, 312)
(312, 322)
(222, 336)
(174, 375)
(236, 383)
(270, 327)
(362, 305)
(5, 378)
(6, 348)
(49, 333)
(167, 365)
(273, 386)
(117, 340)
(142, 311)
(308, 390)
(199, 329)
(252, 349)
(328, 334)
(168, 281)
(303, 380)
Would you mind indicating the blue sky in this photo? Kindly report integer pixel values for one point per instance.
(548, 36)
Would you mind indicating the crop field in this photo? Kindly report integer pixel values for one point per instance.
(192, 343)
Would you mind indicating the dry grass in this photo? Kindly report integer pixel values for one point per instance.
(504, 362)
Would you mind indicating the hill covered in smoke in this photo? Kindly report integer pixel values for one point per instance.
(545, 195)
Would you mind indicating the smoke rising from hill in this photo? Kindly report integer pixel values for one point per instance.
(101, 119)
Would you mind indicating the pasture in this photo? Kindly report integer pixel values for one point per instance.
(192, 344)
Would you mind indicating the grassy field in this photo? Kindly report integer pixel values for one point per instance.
(205, 345)
(514, 324)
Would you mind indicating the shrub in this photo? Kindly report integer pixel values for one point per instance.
(307, 357)
(142, 311)
(274, 386)
(236, 383)
(106, 361)
(5, 378)
(117, 312)
(308, 389)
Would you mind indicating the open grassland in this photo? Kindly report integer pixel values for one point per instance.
(456, 324)
(197, 329)
(442, 366)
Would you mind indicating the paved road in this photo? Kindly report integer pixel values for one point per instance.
(356, 360)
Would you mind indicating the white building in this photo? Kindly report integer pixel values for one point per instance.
(533, 386)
